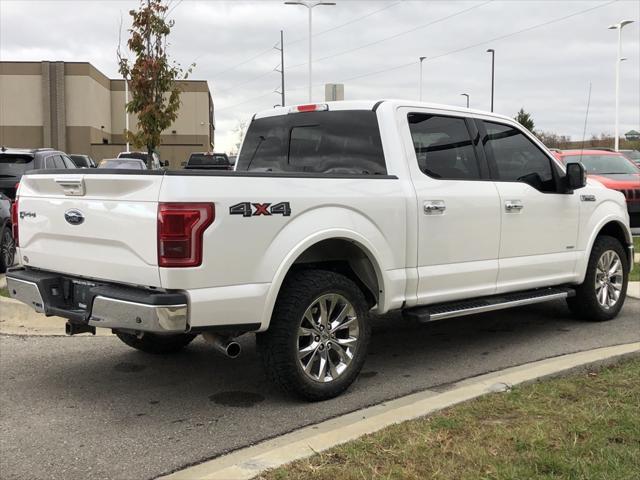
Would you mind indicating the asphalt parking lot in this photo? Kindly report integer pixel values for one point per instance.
(91, 408)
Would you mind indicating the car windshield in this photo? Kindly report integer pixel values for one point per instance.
(138, 155)
(15, 158)
(632, 154)
(80, 160)
(204, 159)
(603, 164)
(120, 163)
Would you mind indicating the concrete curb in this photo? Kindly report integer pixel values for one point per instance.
(249, 462)
(633, 290)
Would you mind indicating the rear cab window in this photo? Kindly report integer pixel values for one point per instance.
(340, 142)
(444, 147)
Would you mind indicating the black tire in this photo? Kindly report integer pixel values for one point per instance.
(157, 344)
(279, 345)
(7, 248)
(585, 305)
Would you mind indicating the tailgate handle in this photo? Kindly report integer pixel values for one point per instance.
(72, 186)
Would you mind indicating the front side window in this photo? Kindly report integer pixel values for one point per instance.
(443, 147)
(341, 142)
(518, 159)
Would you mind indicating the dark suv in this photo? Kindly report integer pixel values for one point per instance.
(15, 162)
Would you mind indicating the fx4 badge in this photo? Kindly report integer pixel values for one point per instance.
(248, 209)
(24, 214)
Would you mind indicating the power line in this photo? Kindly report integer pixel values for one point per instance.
(500, 37)
(353, 20)
(451, 52)
(396, 35)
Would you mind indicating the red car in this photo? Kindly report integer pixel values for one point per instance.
(614, 171)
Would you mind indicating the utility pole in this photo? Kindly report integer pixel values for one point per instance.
(281, 71)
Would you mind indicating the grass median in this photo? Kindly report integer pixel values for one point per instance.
(585, 426)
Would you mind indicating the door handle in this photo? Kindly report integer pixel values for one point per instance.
(434, 206)
(512, 206)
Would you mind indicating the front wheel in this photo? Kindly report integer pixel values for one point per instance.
(602, 294)
(319, 334)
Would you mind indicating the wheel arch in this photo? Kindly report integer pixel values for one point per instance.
(612, 226)
(340, 250)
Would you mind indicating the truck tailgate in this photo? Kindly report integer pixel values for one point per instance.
(100, 226)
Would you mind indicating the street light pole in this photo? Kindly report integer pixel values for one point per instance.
(619, 59)
(466, 95)
(310, 5)
(493, 71)
(420, 89)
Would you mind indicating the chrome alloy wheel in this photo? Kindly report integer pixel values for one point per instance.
(609, 279)
(327, 337)
(7, 248)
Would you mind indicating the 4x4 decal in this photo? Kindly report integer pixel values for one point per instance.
(249, 209)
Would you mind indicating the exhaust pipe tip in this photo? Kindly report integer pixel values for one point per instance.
(233, 349)
(224, 345)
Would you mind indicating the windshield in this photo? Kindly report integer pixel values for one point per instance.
(204, 159)
(138, 155)
(603, 164)
(631, 154)
(125, 164)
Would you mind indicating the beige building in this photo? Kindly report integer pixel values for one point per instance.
(75, 108)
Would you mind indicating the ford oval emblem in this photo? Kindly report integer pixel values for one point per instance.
(74, 217)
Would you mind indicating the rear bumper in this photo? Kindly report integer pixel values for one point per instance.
(102, 305)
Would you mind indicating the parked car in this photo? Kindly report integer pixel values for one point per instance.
(82, 161)
(208, 161)
(7, 244)
(232, 160)
(335, 211)
(633, 155)
(123, 163)
(156, 162)
(14, 163)
(614, 171)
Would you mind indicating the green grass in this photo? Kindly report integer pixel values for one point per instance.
(4, 292)
(583, 427)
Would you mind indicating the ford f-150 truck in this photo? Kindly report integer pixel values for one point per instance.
(334, 212)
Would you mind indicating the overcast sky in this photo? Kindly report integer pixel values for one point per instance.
(544, 62)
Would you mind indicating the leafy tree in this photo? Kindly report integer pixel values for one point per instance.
(155, 95)
(524, 119)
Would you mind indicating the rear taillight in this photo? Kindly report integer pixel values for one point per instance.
(313, 107)
(14, 221)
(180, 230)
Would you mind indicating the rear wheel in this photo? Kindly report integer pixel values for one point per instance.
(151, 343)
(319, 334)
(7, 248)
(602, 294)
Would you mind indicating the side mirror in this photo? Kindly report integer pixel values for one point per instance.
(576, 176)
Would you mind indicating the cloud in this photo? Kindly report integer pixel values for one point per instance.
(546, 70)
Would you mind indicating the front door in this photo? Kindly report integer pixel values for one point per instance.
(458, 210)
(539, 221)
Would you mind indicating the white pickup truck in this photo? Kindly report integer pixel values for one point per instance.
(335, 211)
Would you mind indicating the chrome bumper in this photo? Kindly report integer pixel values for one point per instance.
(121, 314)
(106, 311)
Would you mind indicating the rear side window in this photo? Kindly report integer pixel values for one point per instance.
(345, 142)
(6, 159)
(518, 159)
(443, 147)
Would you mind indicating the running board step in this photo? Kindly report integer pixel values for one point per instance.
(486, 304)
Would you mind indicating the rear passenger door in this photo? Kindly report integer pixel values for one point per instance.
(539, 221)
(458, 207)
